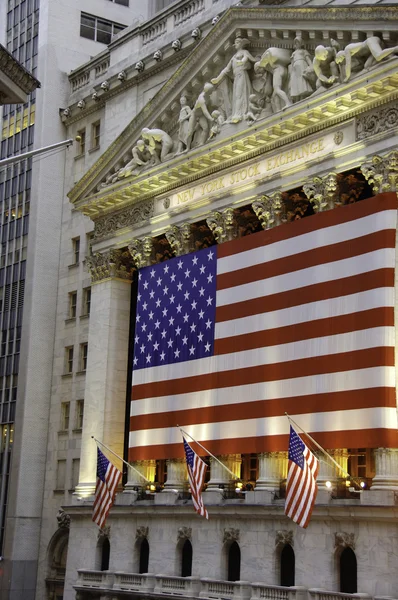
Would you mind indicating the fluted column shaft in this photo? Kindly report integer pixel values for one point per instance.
(272, 468)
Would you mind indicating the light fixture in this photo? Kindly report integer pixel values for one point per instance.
(328, 484)
(348, 483)
(363, 484)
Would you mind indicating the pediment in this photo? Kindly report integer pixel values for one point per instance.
(248, 115)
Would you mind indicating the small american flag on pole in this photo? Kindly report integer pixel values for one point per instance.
(108, 477)
(196, 476)
(301, 487)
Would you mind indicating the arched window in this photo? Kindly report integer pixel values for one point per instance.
(287, 565)
(144, 556)
(348, 571)
(105, 553)
(186, 559)
(57, 555)
(234, 562)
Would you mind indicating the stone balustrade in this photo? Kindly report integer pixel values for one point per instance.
(194, 587)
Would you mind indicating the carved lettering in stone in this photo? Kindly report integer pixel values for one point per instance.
(141, 251)
(231, 535)
(323, 192)
(184, 533)
(270, 210)
(141, 532)
(222, 225)
(372, 123)
(381, 172)
(107, 225)
(111, 264)
(63, 519)
(283, 537)
(344, 540)
(180, 239)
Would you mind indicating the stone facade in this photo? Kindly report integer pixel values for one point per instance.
(237, 176)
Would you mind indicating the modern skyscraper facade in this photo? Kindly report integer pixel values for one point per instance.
(201, 122)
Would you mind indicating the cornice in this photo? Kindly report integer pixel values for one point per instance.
(271, 134)
(16, 72)
(234, 17)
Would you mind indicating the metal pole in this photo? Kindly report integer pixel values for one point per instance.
(13, 159)
(120, 458)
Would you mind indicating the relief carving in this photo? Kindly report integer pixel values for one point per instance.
(63, 519)
(231, 535)
(141, 251)
(141, 532)
(381, 172)
(184, 533)
(344, 540)
(180, 239)
(109, 224)
(375, 122)
(284, 537)
(111, 264)
(323, 192)
(104, 533)
(270, 210)
(222, 225)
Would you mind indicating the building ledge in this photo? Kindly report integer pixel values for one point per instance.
(15, 81)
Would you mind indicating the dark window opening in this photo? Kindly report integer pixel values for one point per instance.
(348, 572)
(234, 562)
(186, 562)
(144, 556)
(287, 566)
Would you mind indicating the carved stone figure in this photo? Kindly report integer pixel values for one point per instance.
(218, 121)
(276, 61)
(183, 121)
(325, 67)
(141, 158)
(200, 119)
(63, 519)
(255, 108)
(237, 69)
(159, 143)
(300, 68)
(369, 52)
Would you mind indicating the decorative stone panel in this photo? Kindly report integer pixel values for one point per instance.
(283, 537)
(344, 540)
(377, 121)
(108, 225)
(184, 533)
(231, 535)
(141, 532)
(111, 264)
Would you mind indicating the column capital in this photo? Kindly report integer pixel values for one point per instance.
(322, 192)
(180, 238)
(270, 210)
(381, 172)
(222, 225)
(141, 251)
(112, 264)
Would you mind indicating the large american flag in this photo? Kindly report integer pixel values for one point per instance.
(108, 477)
(301, 487)
(196, 477)
(297, 319)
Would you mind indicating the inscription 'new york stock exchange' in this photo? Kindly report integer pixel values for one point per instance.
(262, 169)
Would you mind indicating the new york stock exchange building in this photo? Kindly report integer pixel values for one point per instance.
(240, 223)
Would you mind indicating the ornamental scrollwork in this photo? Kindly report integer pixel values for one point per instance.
(378, 121)
(283, 537)
(108, 225)
(270, 210)
(115, 264)
(381, 172)
(141, 532)
(141, 251)
(222, 225)
(180, 239)
(323, 192)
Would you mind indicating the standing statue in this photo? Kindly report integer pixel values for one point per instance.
(141, 158)
(370, 51)
(183, 121)
(200, 119)
(325, 67)
(276, 61)
(159, 144)
(300, 67)
(237, 69)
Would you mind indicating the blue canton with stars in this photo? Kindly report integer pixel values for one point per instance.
(296, 448)
(102, 465)
(176, 306)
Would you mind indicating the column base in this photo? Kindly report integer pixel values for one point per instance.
(84, 490)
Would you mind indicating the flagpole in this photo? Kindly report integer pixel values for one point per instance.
(207, 452)
(120, 458)
(319, 446)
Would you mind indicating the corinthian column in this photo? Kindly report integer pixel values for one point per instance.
(322, 192)
(222, 225)
(220, 476)
(270, 210)
(108, 339)
(381, 172)
(330, 472)
(176, 474)
(272, 468)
